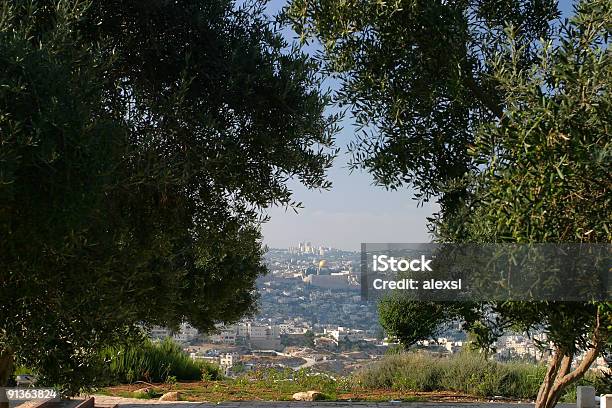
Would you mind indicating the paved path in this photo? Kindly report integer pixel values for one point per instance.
(138, 403)
(309, 361)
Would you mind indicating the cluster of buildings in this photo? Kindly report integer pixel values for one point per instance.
(255, 336)
(519, 347)
(184, 335)
(306, 290)
(442, 345)
(310, 308)
(536, 349)
(311, 312)
(308, 248)
(345, 334)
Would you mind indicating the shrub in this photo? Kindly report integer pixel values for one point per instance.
(154, 362)
(467, 372)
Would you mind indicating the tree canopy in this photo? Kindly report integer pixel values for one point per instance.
(414, 76)
(138, 141)
(546, 178)
(500, 114)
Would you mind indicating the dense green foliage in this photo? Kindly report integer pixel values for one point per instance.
(546, 168)
(154, 362)
(138, 142)
(409, 321)
(467, 373)
(544, 177)
(414, 76)
(501, 115)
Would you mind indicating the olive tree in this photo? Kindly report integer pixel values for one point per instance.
(138, 143)
(545, 177)
(504, 119)
(414, 76)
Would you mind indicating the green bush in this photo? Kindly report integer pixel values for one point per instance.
(467, 372)
(155, 362)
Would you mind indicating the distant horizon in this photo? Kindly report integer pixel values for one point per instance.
(353, 211)
(317, 246)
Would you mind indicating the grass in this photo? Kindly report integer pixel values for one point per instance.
(155, 362)
(265, 385)
(408, 377)
(153, 393)
(280, 385)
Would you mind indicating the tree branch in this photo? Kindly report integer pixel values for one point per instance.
(551, 373)
(565, 377)
(486, 100)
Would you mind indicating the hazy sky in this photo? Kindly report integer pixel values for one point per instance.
(354, 210)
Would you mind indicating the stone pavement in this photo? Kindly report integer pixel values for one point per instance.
(102, 400)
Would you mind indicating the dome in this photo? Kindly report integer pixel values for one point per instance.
(322, 263)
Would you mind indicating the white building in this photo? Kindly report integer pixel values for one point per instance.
(264, 337)
(258, 332)
(333, 281)
(242, 330)
(345, 334)
(227, 360)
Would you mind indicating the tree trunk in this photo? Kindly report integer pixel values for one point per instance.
(559, 375)
(6, 371)
(6, 366)
(551, 374)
